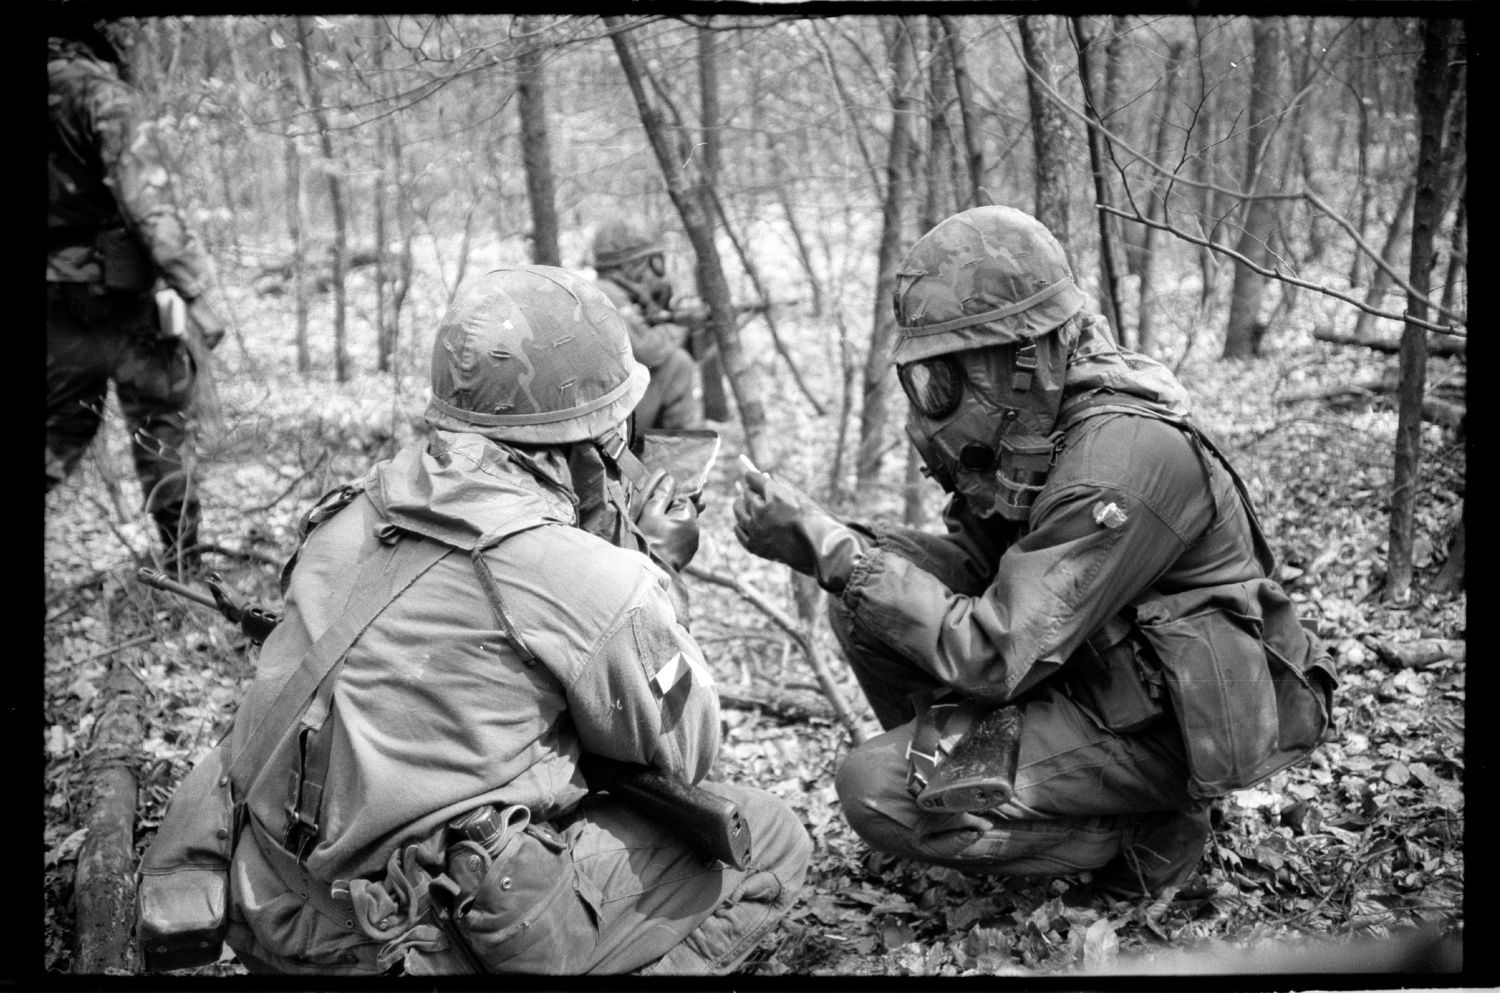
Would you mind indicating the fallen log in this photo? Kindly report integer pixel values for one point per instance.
(1438, 411)
(1437, 344)
(104, 886)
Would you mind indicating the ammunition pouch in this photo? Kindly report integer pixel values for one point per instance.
(182, 883)
(1115, 675)
(1251, 689)
(1025, 462)
(124, 261)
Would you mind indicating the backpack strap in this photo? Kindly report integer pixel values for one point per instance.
(383, 576)
(1114, 403)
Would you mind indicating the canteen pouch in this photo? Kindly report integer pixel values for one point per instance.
(1114, 676)
(124, 261)
(1252, 690)
(533, 911)
(182, 884)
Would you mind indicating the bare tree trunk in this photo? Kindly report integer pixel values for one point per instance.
(877, 372)
(1380, 280)
(1243, 329)
(939, 201)
(782, 181)
(744, 376)
(710, 366)
(293, 159)
(1048, 129)
(536, 149)
(1437, 81)
(1109, 279)
(1457, 253)
(1156, 209)
(340, 250)
(964, 87)
(384, 336)
(1450, 578)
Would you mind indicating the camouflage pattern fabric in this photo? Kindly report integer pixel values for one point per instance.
(536, 355)
(105, 172)
(986, 276)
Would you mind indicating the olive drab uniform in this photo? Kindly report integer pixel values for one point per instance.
(1139, 542)
(628, 262)
(671, 402)
(463, 627)
(433, 714)
(113, 229)
(1103, 583)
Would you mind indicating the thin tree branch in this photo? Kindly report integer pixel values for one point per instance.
(1304, 195)
(1293, 280)
(798, 634)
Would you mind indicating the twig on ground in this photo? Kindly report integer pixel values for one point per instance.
(809, 650)
(138, 640)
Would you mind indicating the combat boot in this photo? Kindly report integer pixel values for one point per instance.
(1158, 850)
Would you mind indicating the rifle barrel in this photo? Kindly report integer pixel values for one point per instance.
(161, 582)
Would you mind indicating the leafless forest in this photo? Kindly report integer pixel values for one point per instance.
(1275, 207)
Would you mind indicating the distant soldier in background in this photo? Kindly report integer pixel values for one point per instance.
(113, 229)
(632, 271)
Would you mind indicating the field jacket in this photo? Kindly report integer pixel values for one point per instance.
(112, 214)
(1138, 527)
(433, 713)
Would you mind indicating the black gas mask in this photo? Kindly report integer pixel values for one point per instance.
(984, 420)
(645, 279)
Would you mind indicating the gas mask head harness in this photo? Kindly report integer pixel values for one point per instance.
(984, 306)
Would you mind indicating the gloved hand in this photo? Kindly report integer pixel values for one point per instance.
(206, 311)
(779, 522)
(669, 522)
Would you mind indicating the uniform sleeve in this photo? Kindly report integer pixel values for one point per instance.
(1096, 542)
(142, 186)
(645, 694)
(964, 557)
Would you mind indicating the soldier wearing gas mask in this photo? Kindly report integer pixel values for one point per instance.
(632, 271)
(1103, 582)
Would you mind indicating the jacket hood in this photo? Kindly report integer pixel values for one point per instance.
(464, 490)
(1099, 366)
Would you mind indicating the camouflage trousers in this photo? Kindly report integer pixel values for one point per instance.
(95, 337)
(1081, 792)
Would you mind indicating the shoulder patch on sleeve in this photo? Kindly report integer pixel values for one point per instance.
(1109, 515)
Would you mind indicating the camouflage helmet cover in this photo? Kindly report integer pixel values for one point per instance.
(621, 240)
(536, 355)
(986, 276)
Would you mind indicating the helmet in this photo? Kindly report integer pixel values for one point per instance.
(619, 241)
(985, 276)
(533, 354)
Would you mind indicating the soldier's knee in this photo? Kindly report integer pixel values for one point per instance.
(861, 777)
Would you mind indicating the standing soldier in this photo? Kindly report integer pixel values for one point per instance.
(1094, 649)
(632, 272)
(113, 229)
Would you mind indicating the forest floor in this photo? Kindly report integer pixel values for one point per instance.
(1362, 841)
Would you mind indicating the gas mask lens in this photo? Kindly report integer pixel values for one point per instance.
(933, 385)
